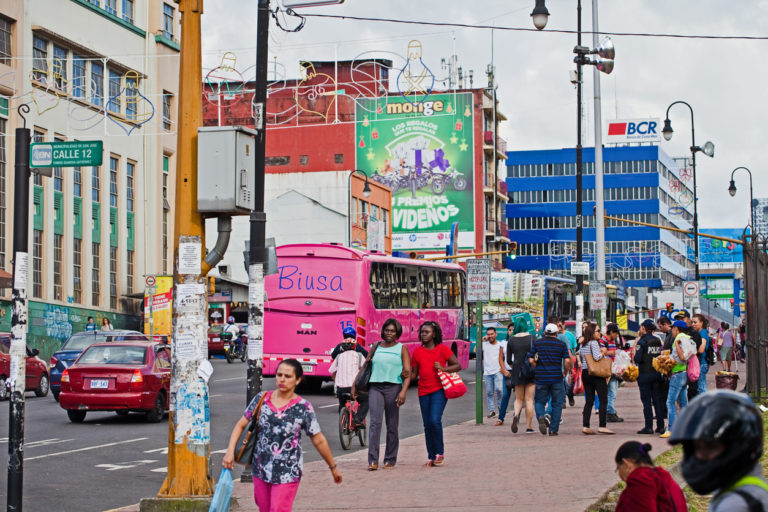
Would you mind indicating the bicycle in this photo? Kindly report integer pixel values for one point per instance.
(347, 428)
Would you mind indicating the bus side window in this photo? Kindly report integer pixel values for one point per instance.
(373, 282)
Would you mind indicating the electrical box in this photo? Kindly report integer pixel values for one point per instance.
(226, 181)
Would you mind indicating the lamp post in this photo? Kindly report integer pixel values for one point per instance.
(603, 61)
(732, 191)
(366, 193)
(709, 150)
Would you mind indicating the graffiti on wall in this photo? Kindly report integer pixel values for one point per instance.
(57, 323)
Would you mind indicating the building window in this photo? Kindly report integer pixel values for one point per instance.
(77, 268)
(97, 83)
(113, 105)
(128, 11)
(95, 2)
(130, 172)
(113, 182)
(113, 277)
(167, 21)
(77, 182)
(95, 184)
(37, 263)
(131, 98)
(60, 67)
(95, 285)
(3, 183)
(39, 59)
(36, 177)
(78, 76)
(129, 271)
(5, 41)
(57, 274)
(110, 6)
(167, 104)
(58, 179)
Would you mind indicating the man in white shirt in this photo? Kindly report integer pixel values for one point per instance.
(344, 369)
(492, 377)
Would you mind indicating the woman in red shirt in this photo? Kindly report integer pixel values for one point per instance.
(430, 357)
(649, 488)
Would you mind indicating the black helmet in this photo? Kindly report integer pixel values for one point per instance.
(729, 418)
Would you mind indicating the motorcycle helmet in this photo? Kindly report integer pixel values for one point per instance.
(349, 332)
(725, 417)
(231, 320)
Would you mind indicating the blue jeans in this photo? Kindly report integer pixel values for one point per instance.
(702, 384)
(549, 403)
(432, 407)
(678, 393)
(506, 394)
(613, 388)
(493, 387)
(544, 392)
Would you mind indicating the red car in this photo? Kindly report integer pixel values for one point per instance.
(37, 378)
(125, 377)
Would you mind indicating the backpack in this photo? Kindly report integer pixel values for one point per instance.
(709, 353)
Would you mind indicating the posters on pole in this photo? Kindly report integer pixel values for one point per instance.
(479, 280)
(162, 299)
(424, 151)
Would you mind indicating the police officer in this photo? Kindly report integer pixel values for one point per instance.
(722, 436)
(649, 380)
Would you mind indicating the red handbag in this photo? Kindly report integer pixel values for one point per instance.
(578, 384)
(452, 384)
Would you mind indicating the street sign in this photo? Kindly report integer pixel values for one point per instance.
(598, 300)
(149, 281)
(479, 280)
(66, 154)
(691, 288)
(579, 268)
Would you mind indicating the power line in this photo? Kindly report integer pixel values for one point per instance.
(523, 29)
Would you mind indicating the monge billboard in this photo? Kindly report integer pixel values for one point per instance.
(422, 148)
(624, 131)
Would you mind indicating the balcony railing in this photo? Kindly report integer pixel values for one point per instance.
(501, 145)
(503, 187)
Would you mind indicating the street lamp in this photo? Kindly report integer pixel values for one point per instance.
(603, 61)
(732, 191)
(709, 150)
(366, 193)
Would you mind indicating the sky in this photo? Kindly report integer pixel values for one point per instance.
(723, 80)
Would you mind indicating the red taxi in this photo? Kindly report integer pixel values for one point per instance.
(37, 378)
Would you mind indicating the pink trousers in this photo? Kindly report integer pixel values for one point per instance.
(274, 497)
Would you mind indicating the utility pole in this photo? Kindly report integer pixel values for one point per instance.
(599, 194)
(189, 420)
(579, 172)
(18, 352)
(258, 220)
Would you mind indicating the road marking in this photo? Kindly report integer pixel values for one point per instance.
(220, 451)
(46, 442)
(214, 396)
(327, 406)
(87, 448)
(160, 470)
(164, 450)
(231, 378)
(127, 465)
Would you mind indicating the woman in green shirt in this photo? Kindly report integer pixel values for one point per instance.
(390, 377)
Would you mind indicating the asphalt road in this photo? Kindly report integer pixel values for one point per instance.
(110, 461)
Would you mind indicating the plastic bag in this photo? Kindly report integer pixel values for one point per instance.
(620, 363)
(578, 384)
(223, 494)
(687, 344)
(694, 369)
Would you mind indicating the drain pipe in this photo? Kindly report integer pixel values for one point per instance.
(215, 255)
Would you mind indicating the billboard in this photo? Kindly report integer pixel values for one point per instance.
(424, 152)
(624, 131)
(718, 251)
(162, 302)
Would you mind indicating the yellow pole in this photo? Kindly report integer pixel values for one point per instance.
(188, 423)
(676, 230)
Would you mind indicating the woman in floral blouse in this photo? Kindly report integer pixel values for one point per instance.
(277, 457)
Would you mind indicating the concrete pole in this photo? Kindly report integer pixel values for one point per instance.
(189, 428)
(599, 194)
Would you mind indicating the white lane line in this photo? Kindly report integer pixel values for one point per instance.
(214, 396)
(327, 406)
(163, 451)
(220, 451)
(126, 465)
(164, 469)
(87, 448)
(231, 378)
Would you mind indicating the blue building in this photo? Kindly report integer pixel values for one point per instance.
(641, 183)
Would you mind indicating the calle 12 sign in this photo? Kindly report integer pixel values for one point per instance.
(66, 154)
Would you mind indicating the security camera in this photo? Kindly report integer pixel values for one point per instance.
(574, 77)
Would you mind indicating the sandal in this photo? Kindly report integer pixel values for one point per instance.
(387, 465)
(429, 464)
(499, 423)
(439, 460)
(373, 466)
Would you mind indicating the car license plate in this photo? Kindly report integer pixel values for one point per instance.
(309, 368)
(216, 340)
(99, 384)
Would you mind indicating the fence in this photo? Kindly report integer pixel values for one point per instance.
(756, 295)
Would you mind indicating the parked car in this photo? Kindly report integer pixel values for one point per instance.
(215, 341)
(79, 341)
(132, 376)
(37, 374)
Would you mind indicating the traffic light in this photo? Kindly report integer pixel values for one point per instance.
(513, 250)
(670, 307)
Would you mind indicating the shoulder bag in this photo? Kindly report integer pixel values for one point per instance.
(527, 371)
(363, 380)
(247, 441)
(599, 368)
(452, 384)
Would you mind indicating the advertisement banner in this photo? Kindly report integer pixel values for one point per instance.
(162, 312)
(624, 131)
(718, 251)
(424, 152)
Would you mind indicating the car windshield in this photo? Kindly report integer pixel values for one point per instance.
(114, 354)
(81, 341)
(215, 329)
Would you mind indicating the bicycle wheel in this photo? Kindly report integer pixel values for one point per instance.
(345, 436)
(362, 435)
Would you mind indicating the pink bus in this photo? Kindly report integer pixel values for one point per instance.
(320, 289)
